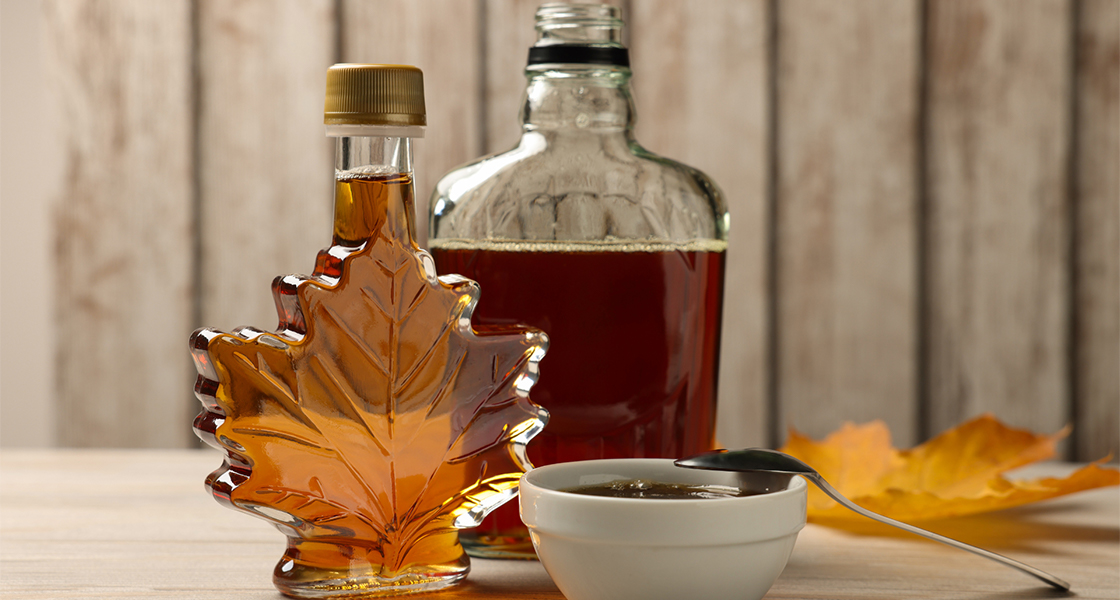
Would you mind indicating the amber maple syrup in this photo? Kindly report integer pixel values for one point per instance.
(633, 361)
(387, 523)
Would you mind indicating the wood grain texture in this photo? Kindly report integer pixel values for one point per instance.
(700, 86)
(846, 200)
(121, 74)
(1097, 231)
(998, 215)
(266, 165)
(28, 188)
(138, 524)
(441, 37)
(128, 524)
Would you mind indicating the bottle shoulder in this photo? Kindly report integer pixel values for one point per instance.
(694, 175)
(577, 189)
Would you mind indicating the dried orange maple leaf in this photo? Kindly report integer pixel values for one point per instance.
(375, 421)
(956, 473)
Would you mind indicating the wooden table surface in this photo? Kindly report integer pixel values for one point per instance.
(137, 524)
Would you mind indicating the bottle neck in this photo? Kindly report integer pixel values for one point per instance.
(579, 100)
(373, 189)
(359, 155)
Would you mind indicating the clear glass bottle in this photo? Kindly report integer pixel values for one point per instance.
(377, 420)
(615, 252)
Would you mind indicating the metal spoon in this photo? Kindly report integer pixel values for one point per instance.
(771, 461)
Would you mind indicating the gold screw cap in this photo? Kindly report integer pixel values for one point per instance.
(374, 95)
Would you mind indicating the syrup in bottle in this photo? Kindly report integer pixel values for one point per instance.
(376, 421)
(615, 252)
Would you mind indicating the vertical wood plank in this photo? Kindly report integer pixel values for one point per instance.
(509, 33)
(700, 86)
(29, 184)
(122, 74)
(998, 215)
(846, 236)
(265, 163)
(1097, 231)
(441, 37)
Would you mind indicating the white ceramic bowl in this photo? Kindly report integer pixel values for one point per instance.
(602, 548)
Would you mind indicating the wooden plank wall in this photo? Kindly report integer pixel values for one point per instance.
(264, 167)
(924, 193)
(998, 211)
(121, 74)
(1096, 227)
(845, 146)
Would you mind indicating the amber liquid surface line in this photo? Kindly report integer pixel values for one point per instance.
(632, 364)
(374, 423)
(658, 490)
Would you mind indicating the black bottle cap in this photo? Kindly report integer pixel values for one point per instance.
(579, 54)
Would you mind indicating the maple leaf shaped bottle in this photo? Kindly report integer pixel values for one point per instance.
(614, 251)
(375, 422)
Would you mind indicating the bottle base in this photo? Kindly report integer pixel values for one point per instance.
(369, 587)
(297, 577)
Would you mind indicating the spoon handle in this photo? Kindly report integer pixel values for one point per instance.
(835, 495)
